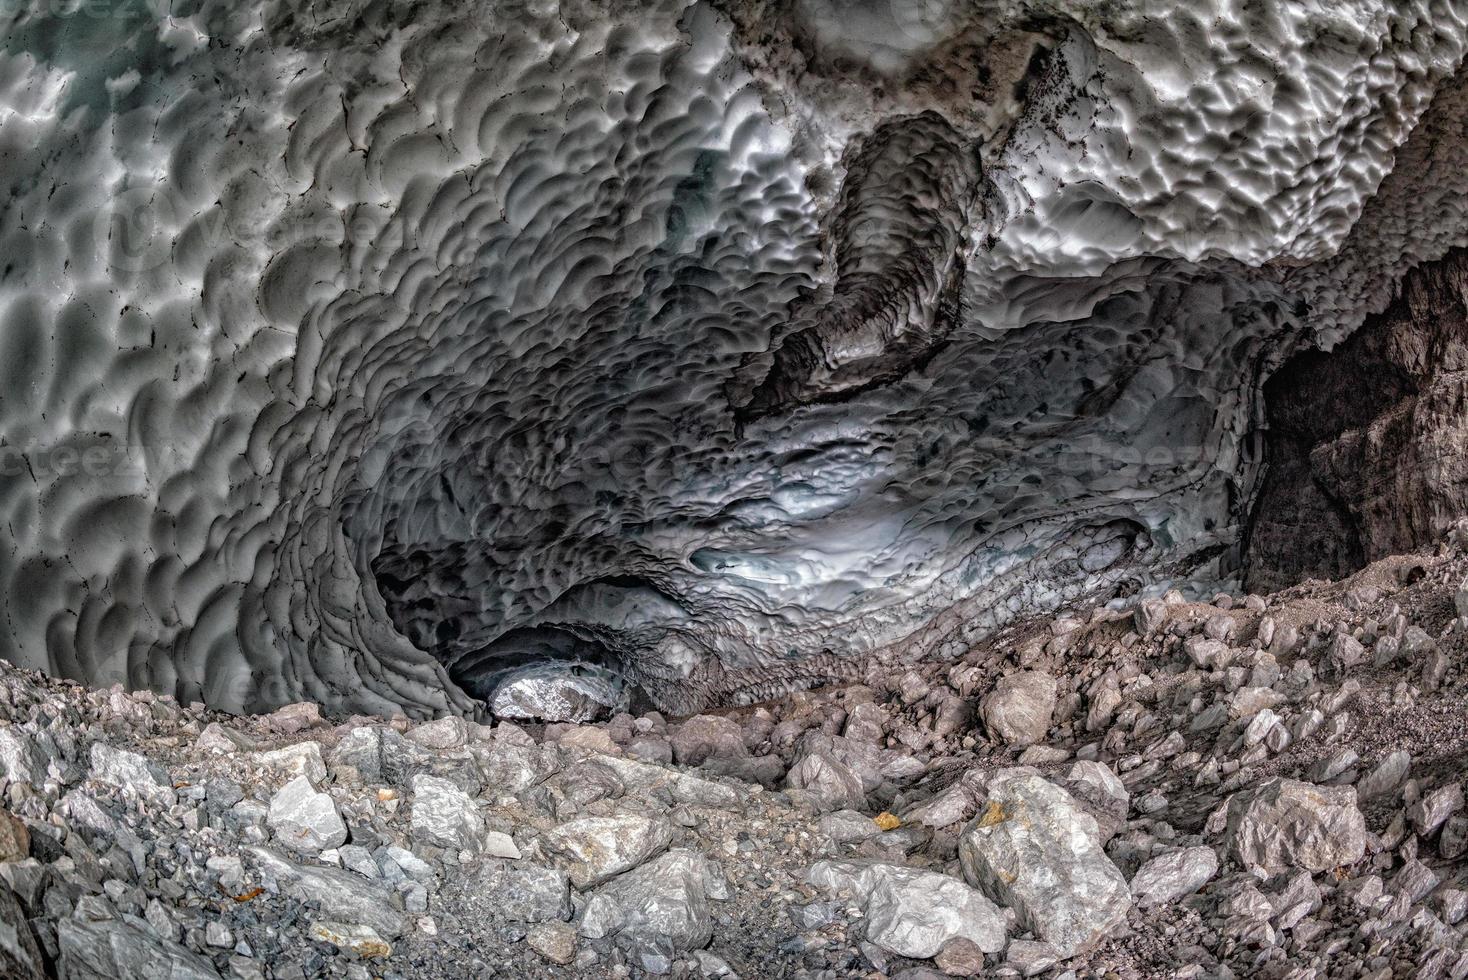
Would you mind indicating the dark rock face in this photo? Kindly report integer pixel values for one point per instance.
(1366, 444)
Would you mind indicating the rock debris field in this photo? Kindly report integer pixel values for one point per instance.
(1250, 787)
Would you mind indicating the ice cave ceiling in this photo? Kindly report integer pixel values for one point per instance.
(364, 351)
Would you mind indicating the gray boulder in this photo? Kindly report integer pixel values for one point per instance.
(441, 734)
(1168, 877)
(846, 826)
(131, 773)
(704, 737)
(525, 892)
(557, 692)
(444, 815)
(1035, 850)
(304, 818)
(1286, 824)
(1149, 615)
(380, 756)
(117, 950)
(596, 849)
(826, 778)
(511, 767)
(661, 907)
(1019, 709)
(912, 912)
(1386, 776)
(340, 894)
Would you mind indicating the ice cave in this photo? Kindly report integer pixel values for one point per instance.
(563, 360)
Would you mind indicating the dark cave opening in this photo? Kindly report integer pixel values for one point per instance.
(480, 673)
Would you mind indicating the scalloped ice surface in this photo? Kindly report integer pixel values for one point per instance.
(364, 352)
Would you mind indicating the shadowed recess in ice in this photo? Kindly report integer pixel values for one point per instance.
(370, 352)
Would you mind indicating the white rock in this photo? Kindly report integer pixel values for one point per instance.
(443, 814)
(304, 818)
(21, 759)
(1387, 775)
(1170, 876)
(1032, 848)
(913, 912)
(1285, 824)
(596, 849)
(571, 691)
(301, 759)
(661, 905)
(1019, 709)
(223, 740)
(131, 772)
(445, 733)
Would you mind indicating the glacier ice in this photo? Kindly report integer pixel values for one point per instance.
(367, 352)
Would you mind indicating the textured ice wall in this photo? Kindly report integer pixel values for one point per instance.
(361, 351)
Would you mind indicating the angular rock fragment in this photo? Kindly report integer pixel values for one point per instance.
(556, 941)
(1387, 775)
(912, 912)
(379, 755)
(845, 826)
(15, 839)
(1019, 709)
(1149, 615)
(661, 906)
(1030, 959)
(301, 759)
(524, 892)
(596, 849)
(831, 783)
(866, 722)
(510, 768)
(20, 955)
(1168, 877)
(568, 691)
(1286, 824)
(1100, 793)
(294, 718)
(341, 895)
(304, 818)
(944, 808)
(221, 739)
(1433, 809)
(362, 940)
(707, 736)
(1345, 654)
(1033, 849)
(21, 759)
(680, 787)
(1208, 653)
(440, 735)
(117, 950)
(131, 773)
(444, 815)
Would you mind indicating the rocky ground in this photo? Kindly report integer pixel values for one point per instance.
(1258, 786)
